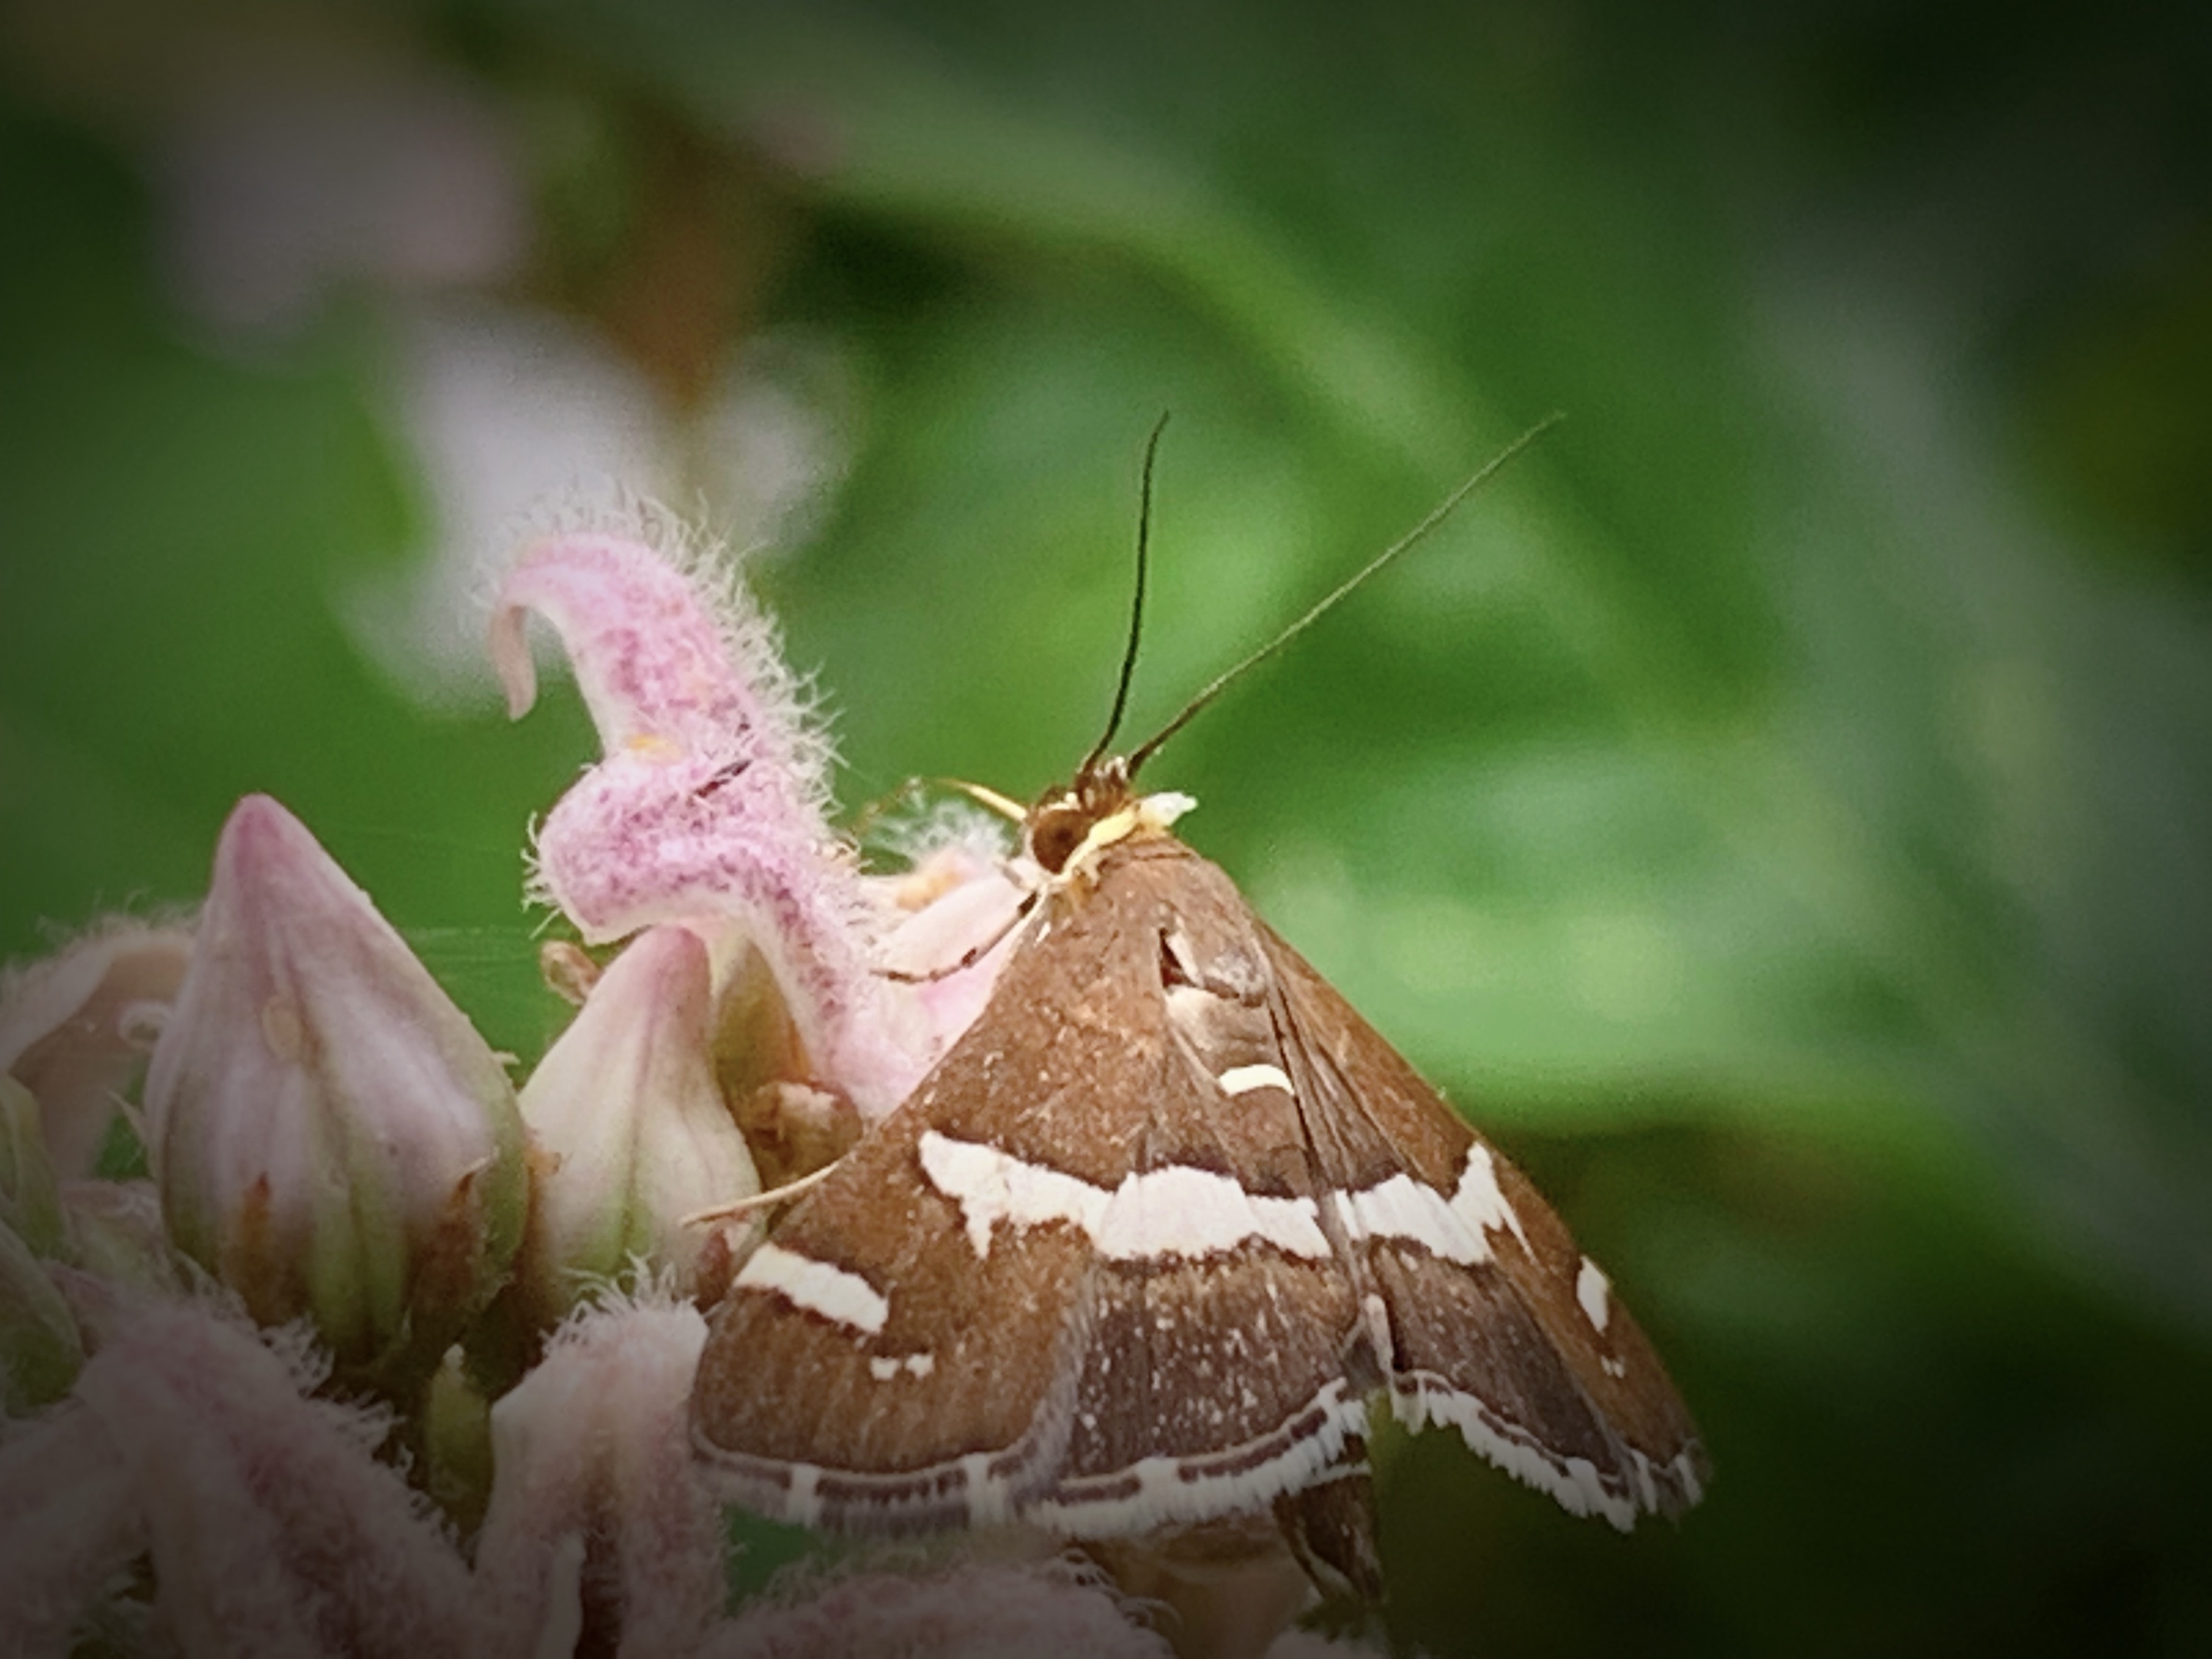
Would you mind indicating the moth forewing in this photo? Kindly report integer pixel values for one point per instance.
(1136, 1253)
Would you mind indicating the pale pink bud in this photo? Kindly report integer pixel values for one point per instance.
(76, 1029)
(599, 1527)
(708, 806)
(330, 1134)
(630, 1125)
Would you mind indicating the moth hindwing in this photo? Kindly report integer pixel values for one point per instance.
(1139, 1252)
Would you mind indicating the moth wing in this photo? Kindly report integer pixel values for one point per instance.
(1041, 1288)
(1215, 1380)
(1497, 1323)
(893, 1357)
(851, 1377)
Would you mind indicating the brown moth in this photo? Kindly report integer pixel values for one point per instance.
(1137, 1255)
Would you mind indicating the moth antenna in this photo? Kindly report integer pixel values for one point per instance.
(1437, 515)
(1012, 810)
(1136, 606)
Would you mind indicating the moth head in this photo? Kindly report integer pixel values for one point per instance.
(1065, 831)
(1062, 819)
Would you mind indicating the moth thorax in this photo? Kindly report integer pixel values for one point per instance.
(1058, 823)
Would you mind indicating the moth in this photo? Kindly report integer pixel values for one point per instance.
(1139, 1256)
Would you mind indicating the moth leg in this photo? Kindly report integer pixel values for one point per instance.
(973, 955)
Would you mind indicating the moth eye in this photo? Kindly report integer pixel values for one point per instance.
(1054, 834)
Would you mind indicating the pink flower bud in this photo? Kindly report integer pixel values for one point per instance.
(329, 1134)
(975, 1607)
(271, 1526)
(632, 1129)
(67, 1532)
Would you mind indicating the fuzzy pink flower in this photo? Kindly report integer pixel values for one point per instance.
(271, 1528)
(600, 1528)
(69, 1529)
(1040, 1608)
(708, 807)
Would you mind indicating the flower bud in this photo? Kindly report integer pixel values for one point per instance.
(266, 1521)
(76, 1027)
(973, 1606)
(30, 1198)
(40, 1351)
(329, 1134)
(68, 1532)
(631, 1127)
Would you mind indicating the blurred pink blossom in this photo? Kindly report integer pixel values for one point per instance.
(271, 1528)
(290, 179)
(975, 1610)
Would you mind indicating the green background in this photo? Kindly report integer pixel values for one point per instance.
(1779, 809)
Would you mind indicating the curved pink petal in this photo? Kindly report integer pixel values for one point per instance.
(660, 665)
(706, 810)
